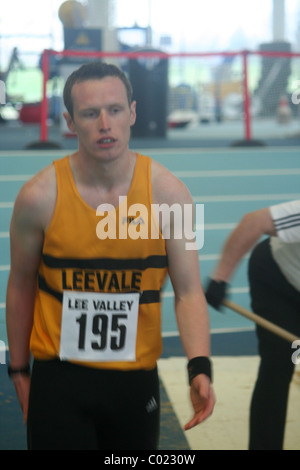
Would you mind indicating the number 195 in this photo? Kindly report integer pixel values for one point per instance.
(101, 329)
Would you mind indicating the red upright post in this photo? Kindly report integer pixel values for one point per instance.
(247, 114)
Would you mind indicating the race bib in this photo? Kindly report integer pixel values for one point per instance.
(99, 327)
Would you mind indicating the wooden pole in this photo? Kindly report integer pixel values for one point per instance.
(261, 321)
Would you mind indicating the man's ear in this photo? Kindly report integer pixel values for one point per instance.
(69, 122)
(132, 113)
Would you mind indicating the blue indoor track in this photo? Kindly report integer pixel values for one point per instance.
(229, 182)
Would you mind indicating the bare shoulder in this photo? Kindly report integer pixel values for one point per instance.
(37, 197)
(166, 187)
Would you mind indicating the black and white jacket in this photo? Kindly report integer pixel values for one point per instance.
(286, 245)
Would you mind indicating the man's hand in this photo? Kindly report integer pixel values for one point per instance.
(202, 399)
(215, 293)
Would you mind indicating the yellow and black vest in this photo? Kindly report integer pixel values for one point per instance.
(74, 258)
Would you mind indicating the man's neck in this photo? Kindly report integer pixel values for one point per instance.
(102, 181)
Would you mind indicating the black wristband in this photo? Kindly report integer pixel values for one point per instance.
(22, 370)
(199, 365)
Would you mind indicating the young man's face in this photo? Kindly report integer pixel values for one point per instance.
(102, 117)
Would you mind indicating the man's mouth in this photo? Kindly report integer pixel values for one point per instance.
(106, 141)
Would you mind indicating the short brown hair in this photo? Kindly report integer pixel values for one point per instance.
(90, 71)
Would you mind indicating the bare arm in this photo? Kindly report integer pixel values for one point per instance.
(25, 255)
(26, 239)
(252, 226)
(193, 322)
(190, 304)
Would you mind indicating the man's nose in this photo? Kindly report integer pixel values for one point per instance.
(103, 120)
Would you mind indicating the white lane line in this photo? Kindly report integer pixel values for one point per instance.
(218, 198)
(236, 173)
(4, 267)
(246, 197)
(232, 290)
(198, 174)
(170, 334)
(11, 178)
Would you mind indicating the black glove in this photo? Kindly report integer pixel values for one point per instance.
(215, 293)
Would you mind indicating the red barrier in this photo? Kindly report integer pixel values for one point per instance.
(161, 55)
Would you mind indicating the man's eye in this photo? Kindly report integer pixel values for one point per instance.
(89, 114)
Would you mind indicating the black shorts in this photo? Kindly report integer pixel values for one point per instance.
(272, 296)
(73, 407)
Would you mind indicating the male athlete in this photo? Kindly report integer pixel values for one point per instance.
(83, 298)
